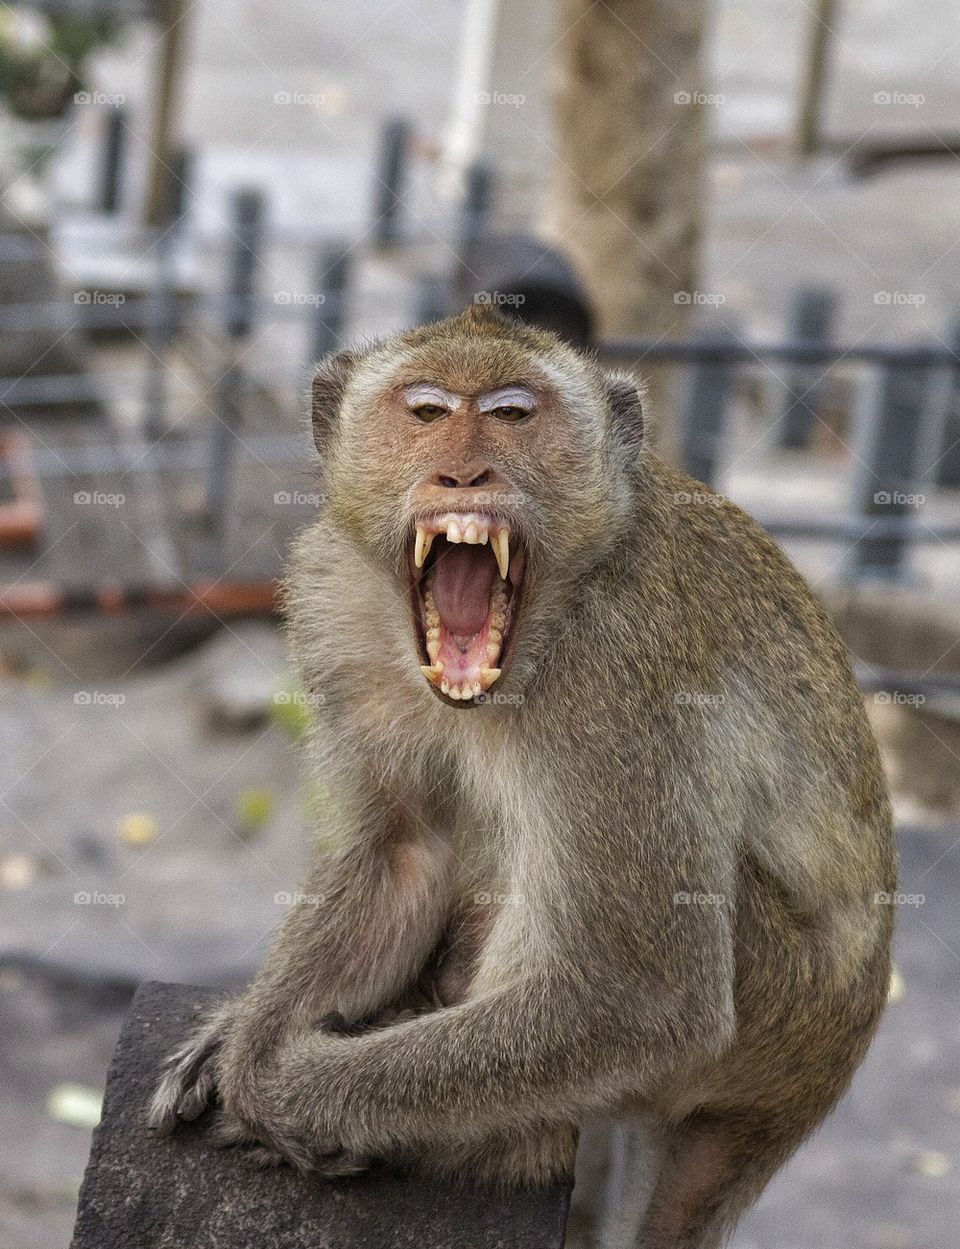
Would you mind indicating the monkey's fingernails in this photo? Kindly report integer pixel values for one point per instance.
(501, 548)
(422, 547)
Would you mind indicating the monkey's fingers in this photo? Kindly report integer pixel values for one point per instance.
(187, 1083)
(340, 1164)
(261, 1158)
(197, 1098)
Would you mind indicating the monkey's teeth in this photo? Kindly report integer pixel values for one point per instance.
(423, 545)
(472, 530)
(501, 548)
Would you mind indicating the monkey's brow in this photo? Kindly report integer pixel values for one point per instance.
(507, 396)
(430, 392)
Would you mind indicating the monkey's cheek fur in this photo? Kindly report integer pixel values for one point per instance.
(467, 571)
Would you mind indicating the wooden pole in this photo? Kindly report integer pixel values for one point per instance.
(822, 18)
(166, 94)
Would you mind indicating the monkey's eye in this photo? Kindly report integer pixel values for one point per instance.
(510, 412)
(427, 412)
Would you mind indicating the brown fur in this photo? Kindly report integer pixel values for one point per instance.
(678, 718)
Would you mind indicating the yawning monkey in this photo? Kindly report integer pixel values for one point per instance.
(609, 824)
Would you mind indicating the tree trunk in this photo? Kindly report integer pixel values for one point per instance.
(627, 189)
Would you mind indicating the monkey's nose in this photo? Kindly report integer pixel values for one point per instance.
(463, 476)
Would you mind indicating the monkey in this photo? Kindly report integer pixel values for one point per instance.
(609, 827)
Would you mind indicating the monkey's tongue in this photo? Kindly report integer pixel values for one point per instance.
(462, 585)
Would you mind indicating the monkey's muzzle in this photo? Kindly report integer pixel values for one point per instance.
(466, 587)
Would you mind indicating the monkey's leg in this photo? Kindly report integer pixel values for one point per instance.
(637, 1151)
(715, 1168)
(362, 928)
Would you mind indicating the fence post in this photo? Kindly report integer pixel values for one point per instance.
(111, 167)
(162, 307)
(704, 411)
(812, 320)
(890, 425)
(946, 471)
(248, 216)
(333, 272)
(391, 180)
(433, 298)
(476, 205)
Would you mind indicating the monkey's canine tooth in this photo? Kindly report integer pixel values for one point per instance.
(488, 676)
(422, 548)
(501, 548)
(433, 673)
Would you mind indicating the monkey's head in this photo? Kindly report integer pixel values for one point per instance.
(489, 467)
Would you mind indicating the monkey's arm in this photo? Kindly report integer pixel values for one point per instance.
(550, 1046)
(362, 927)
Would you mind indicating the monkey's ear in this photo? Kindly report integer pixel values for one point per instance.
(625, 397)
(329, 383)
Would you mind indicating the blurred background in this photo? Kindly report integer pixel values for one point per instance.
(755, 204)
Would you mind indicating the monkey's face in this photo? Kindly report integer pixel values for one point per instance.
(481, 468)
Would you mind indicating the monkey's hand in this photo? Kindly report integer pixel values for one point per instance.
(210, 1066)
(273, 1143)
(188, 1082)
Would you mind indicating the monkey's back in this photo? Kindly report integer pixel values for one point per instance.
(815, 846)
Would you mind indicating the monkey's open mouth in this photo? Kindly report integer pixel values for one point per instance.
(466, 586)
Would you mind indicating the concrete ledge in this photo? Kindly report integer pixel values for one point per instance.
(143, 1193)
